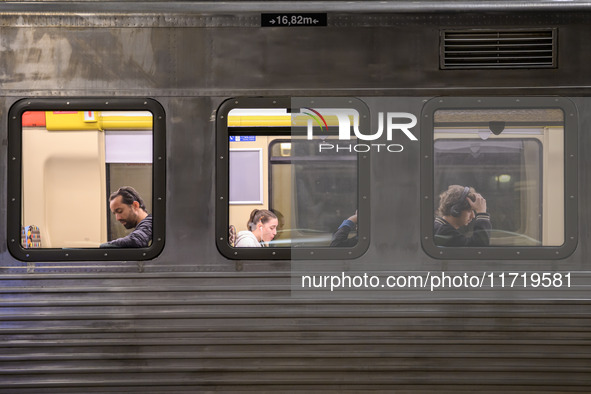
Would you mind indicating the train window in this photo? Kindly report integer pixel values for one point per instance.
(67, 158)
(277, 169)
(322, 189)
(499, 178)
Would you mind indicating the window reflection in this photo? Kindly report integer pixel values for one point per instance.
(514, 158)
(314, 192)
(278, 170)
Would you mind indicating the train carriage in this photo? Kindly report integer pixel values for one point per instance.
(355, 114)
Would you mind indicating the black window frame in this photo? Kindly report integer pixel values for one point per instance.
(14, 182)
(222, 184)
(570, 126)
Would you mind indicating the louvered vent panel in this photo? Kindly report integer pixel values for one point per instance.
(498, 49)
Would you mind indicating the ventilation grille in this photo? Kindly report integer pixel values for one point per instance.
(498, 49)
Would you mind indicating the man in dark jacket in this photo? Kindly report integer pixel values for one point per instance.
(129, 209)
(458, 207)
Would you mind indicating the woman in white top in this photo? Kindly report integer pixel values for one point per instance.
(263, 228)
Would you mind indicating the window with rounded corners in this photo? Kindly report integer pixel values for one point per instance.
(297, 159)
(499, 178)
(65, 158)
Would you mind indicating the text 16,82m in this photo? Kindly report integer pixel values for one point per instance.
(293, 19)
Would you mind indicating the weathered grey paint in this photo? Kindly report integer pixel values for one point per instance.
(193, 321)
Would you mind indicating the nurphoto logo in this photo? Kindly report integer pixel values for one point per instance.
(348, 119)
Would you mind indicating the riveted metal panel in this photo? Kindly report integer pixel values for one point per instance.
(191, 320)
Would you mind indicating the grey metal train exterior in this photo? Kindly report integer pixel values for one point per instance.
(193, 320)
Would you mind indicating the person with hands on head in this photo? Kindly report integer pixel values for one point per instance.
(458, 207)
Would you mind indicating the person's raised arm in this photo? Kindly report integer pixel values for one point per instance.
(479, 204)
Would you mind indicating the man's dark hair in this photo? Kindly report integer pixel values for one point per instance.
(128, 196)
